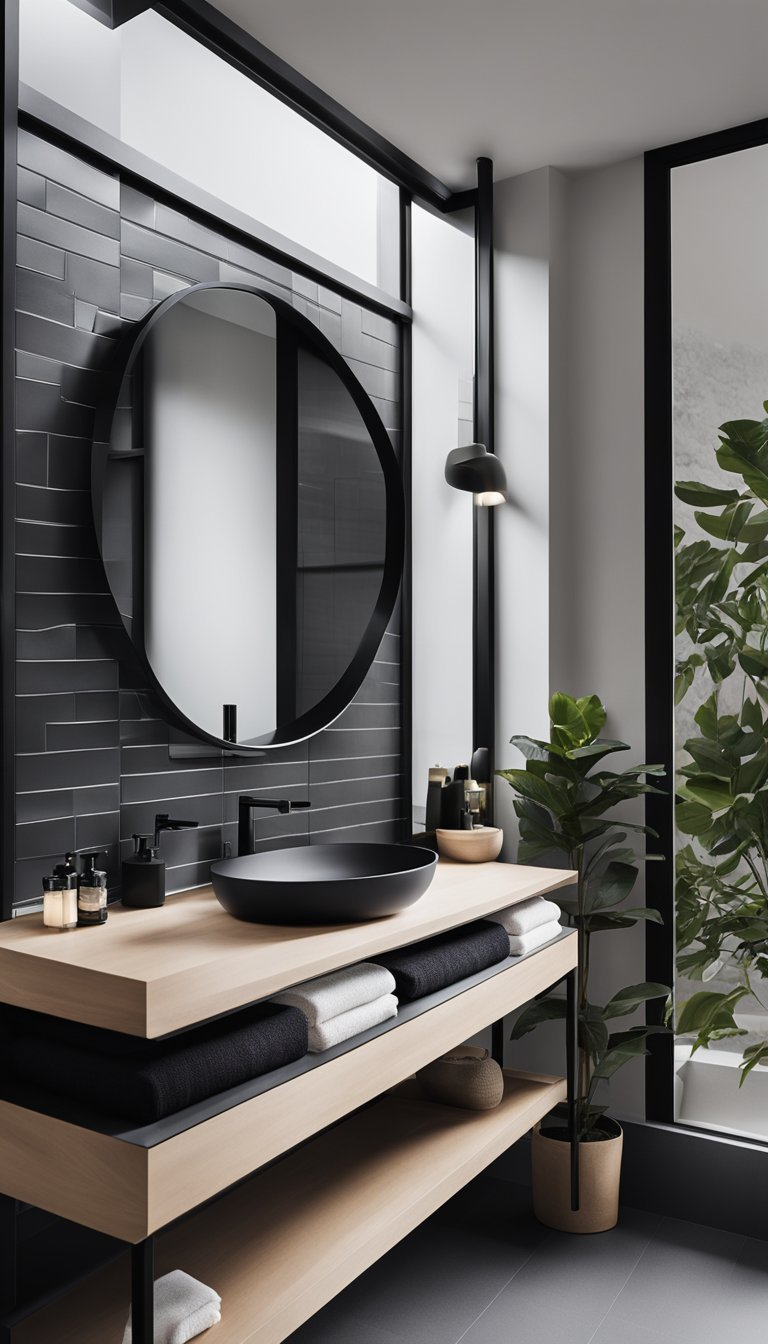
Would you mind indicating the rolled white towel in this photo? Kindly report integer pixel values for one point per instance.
(338, 992)
(528, 942)
(340, 1028)
(184, 1308)
(521, 918)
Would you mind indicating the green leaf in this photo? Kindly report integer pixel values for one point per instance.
(620, 1054)
(707, 789)
(704, 496)
(753, 661)
(707, 1010)
(620, 919)
(612, 886)
(753, 1055)
(693, 818)
(575, 723)
(629, 999)
(545, 1010)
(532, 748)
(727, 525)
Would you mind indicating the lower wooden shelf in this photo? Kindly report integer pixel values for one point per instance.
(281, 1245)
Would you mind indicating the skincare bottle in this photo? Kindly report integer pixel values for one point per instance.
(466, 818)
(91, 893)
(59, 902)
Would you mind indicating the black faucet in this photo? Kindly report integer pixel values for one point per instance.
(246, 804)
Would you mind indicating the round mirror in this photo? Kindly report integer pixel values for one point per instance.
(249, 510)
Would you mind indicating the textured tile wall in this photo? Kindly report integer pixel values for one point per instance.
(93, 761)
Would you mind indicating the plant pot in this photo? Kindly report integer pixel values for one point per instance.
(599, 1178)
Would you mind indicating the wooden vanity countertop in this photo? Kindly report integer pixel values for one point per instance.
(150, 972)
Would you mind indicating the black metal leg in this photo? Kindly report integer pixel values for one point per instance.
(7, 1254)
(143, 1291)
(497, 1041)
(572, 1080)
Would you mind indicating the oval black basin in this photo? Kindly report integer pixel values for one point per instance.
(323, 884)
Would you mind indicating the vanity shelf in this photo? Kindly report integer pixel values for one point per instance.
(282, 1244)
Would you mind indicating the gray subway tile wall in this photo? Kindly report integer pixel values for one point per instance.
(95, 759)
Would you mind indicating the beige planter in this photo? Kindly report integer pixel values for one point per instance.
(599, 1178)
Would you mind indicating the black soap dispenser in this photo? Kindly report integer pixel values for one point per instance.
(144, 871)
(143, 876)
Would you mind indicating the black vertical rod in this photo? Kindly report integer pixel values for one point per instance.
(406, 591)
(8, 1254)
(497, 1041)
(572, 1078)
(143, 1291)
(483, 634)
(7, 557)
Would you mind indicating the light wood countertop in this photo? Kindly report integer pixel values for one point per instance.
(150, 972)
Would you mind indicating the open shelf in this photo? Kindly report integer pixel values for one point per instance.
(127, 1189)
(283, 1243)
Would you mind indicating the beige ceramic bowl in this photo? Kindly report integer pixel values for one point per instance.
(480, 846)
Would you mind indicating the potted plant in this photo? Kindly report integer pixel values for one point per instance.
(563, 795)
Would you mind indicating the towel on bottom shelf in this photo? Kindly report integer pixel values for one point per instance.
(345, 1025)
(143, 1080)
(527, 915)
(338, 992)
(528, 942)
(184, 1308)
(439, 962)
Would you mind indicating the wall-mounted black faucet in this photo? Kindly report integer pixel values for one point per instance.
(245, 806)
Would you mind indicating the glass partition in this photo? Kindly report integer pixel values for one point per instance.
(720, 386)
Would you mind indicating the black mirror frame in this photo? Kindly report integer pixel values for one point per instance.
(323, 714)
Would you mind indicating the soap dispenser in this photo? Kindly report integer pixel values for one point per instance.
(143, 876)
(144, 871)
(91, 893)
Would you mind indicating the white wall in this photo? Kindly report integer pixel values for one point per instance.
(210, 518)
(443, 359)
(571, 545)
(72, 58)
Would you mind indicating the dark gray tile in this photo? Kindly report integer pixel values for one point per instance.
(35, 839)
(170, 785)
(91, 705)
(66, 769)
(102, 798)
(98, 831)
(36, 256)
(382, 328)
(42, 294)
(39, 504)
(262, 267)
(589, 1272)
(46, 159)
(44, 806)
(61, 233)
(41, 406)
(54, 340)
(144, 733)
(339, 793)
(321, 771)
(33, 712)
(371, 832)
(166, 254)
(102, 641)
(79, 736)
(32, 458)
(353, 814)
(69, 463)
(58, 641)
(361, 714)
(135, 278)
(31, 188)
(139, 818)
(134, 307)
(85, 315)
(54, 539)
(94, 282)
(59, 574)
(338, 743)
(79, 209)
(703, 1259)
(35, 678)
(34, 610)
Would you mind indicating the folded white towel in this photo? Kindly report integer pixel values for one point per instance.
(184, 1308)
(340, 1028)
(338, 992)
(520, 919)
(527, 942)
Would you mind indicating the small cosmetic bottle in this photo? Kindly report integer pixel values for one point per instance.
(59, 902)
(91, 893)
(143, 876)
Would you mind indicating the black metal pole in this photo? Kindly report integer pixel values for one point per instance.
(497, 1041)
(572, 1078)
(483, 640)
(143, 1291)
(8, 1254)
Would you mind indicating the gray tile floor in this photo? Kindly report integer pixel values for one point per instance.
(483, 1271)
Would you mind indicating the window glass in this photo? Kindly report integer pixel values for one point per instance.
(167, 95)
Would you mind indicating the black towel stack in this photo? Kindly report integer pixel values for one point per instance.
(439, 962)
(141, 1080)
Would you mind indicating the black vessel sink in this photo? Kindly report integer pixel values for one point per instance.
(323, 884)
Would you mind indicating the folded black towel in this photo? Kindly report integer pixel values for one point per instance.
(439, 962)
(145, 1080)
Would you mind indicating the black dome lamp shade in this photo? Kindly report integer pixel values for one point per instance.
(473, 468)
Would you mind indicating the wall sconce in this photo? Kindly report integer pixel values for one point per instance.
(473, 468)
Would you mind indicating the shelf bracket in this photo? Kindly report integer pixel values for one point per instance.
(572, 1080)
(143, 1291)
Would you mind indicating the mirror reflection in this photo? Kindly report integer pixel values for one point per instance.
(244, 485)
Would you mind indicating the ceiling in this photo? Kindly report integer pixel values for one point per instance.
(572, 83)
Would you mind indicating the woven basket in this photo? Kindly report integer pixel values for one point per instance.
(465, 1077)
